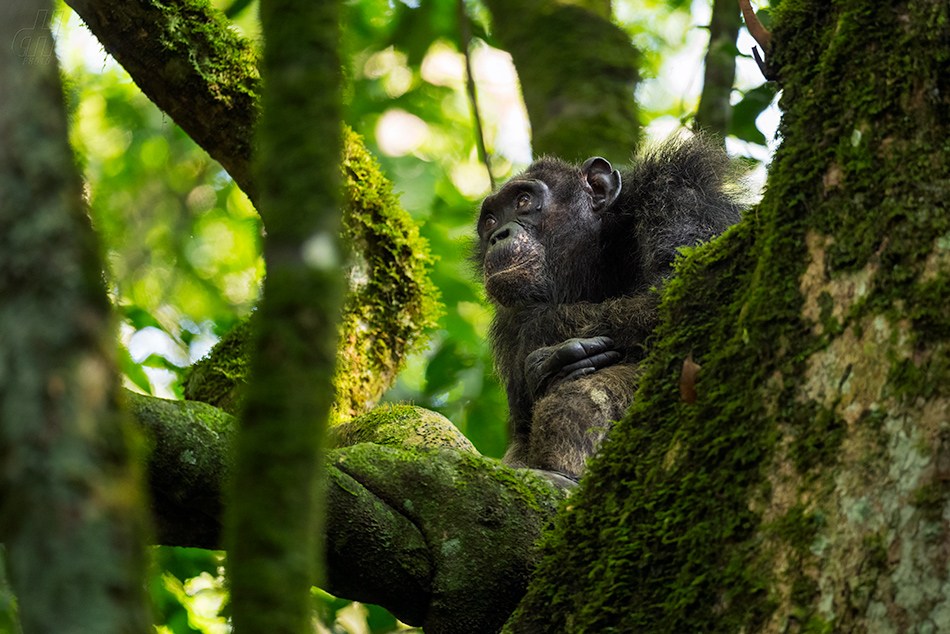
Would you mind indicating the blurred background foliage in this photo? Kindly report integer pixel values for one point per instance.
(182, 242)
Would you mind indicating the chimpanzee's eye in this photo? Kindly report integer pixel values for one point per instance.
(488, 222)
(523, 200)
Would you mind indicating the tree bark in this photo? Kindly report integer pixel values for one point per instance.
(70, 503)
(806, 488)
(578, 74)
(440, 536)
(277, 503)
(714, 113)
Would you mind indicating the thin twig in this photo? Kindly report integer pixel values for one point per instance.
(756, 30)
(465, 33)
(760, 35)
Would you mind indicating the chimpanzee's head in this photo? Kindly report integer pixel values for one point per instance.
(539, 235)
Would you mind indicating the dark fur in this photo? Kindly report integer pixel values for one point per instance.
(583, 273)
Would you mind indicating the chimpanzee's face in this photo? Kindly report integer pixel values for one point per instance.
(512, 254)
(538, 236)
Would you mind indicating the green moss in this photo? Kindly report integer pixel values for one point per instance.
(218, 54)
(816, 625)
(798, 528)
(831, 325)
(817, 433)
(660, 544)
(876, 553)
(923, 379)
(804, 590)
(216, 378)
(403, 426)
(800, 531)
(931, 499)
(391, 302)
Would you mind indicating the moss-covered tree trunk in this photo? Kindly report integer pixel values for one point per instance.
(71, 513)
(578, 73)
(808, 487)
(276, 501)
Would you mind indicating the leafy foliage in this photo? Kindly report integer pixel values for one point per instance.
(181, 240)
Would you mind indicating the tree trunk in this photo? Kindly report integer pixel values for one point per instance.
(70, 506)
(714, 113)
(578, 74)
(277, 504)
(807, 488)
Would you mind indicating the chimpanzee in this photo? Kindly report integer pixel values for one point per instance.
(571, 258)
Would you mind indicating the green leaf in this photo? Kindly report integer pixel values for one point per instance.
(139, 318)
(158, 361)
(744, 113)
(444, 367)
(134, 371)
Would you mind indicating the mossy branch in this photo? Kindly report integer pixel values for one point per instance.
(191, 65)
(440, 536)
(391, 300)
(184, 57)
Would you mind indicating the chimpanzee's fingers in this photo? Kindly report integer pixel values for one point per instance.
(575, 351)
(595, 362)
(553, 364)
(576, 374)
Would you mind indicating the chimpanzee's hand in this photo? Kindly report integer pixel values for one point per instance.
(545, 368)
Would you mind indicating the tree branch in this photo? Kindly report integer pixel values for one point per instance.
(191, 65)
(714, 113)
(184, 57)
(441, 537)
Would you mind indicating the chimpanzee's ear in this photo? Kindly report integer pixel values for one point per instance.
(603, 180)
